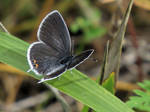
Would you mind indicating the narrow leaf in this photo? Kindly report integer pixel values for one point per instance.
(116, 46)
(79, 86)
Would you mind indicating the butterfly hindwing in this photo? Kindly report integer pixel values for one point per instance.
(42, 58)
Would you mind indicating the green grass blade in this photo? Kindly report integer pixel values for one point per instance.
(79, 86)
(116, 45)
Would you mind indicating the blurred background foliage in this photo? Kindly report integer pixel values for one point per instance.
(91, 23)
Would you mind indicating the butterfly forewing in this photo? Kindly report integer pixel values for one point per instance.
(54, 32)
(76, 60)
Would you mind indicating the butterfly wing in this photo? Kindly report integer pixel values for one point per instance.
(76, 60)
(43, 59)
(54, 32)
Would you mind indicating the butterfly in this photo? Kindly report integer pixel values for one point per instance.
(52, 54)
